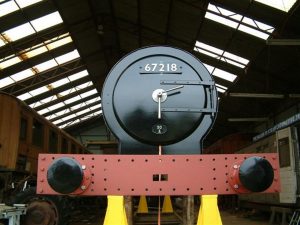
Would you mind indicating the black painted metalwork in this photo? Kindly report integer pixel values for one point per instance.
(256, 174)
(65, 175)
(161, 87)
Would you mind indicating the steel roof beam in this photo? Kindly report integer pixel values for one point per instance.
(76, 111)
(30, 62)
(26, 14)
(63, 98)
(71, 104)
(57, 90)
(27, 42)
(45, 78)
(77, 117)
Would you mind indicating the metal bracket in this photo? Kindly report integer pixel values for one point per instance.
(187, 82)
(157, 174)
(192, 110)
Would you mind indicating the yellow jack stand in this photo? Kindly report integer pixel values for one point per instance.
(115, 212)
(167, 205)
(209, 212)
(143, 207)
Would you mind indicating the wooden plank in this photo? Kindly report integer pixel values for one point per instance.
(9, 131)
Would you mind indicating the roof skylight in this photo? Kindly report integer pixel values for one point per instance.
(8, 7)
(46, 21)
(19, 32)
(31, 27)
(12, 6)
(284, 5)
(221, 54)
(237, 21)
(220, 73)
(67, 57)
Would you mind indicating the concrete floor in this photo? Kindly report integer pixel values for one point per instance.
(227, 219)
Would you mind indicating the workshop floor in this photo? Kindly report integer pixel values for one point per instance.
(227, 219)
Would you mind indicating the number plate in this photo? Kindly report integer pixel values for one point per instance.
(161, 68)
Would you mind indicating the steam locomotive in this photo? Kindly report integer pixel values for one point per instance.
(160, 102)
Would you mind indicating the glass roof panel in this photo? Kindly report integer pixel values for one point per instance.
(60, 82)
(234, 20)
(25, 3)
(59, 42)
(221, 54)
(221, 86)
(87, 84)
(236, 58)
(221, 20)
(22, 75)
(68, 101)
(83, 111)
(24, 96)
(69, 117)
(47, 21)
(46, 65)
(78, 75)
(67, 57)
(197, 49)
(95, 107)
(93, 100)
(58, 121)
(9, 61)
(220, 90)
(19, 32)
(78, 106)
(43, 111)
(66, 92)
(56, 106)
(38, 91)
(224, 75)
(8, 7)
(36, 51)
(88, 93)
(49, 99)
(209, 48)
(284, 5)
(6, 81)
(253, 32)
(220, 73)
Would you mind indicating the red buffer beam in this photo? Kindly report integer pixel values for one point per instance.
(158, 174)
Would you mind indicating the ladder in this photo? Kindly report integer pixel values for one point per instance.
(295, 218)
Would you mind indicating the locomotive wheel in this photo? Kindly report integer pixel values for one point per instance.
(41, 210)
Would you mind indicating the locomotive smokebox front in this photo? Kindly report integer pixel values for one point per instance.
(159, 96)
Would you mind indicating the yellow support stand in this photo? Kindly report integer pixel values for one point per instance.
(143, 207)
(167, 205)
(115, 212)
(209, 212)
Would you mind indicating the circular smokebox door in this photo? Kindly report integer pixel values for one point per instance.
(159, 95)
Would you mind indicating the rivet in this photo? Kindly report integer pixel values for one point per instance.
(83, 167)
(274, 158)
(42, 169)
(44, 158)
(42, 180)
(83, 187)
(236, 186)
(41, 191)
(235, 166)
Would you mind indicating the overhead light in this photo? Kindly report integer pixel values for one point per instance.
(257, 119)
(256, 95)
